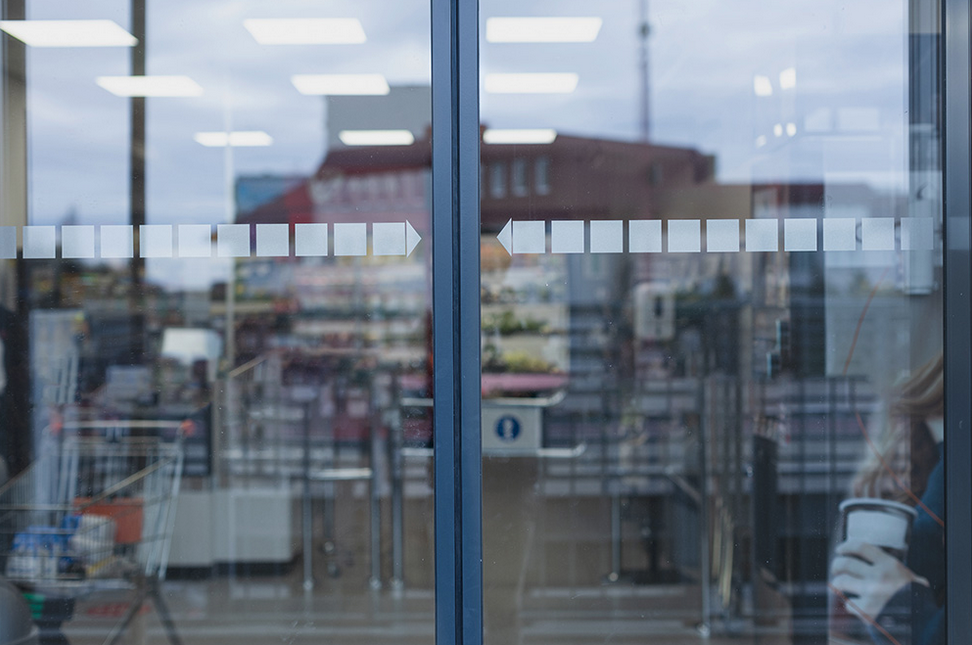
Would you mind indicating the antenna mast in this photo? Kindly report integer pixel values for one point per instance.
(644, 30)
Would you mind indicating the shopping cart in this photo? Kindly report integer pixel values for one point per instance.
(94, 513)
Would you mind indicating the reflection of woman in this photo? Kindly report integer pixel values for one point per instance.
(873, 585)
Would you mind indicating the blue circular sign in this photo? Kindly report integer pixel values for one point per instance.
(508, 428)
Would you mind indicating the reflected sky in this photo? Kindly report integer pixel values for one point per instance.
(704, 56)
(845, 118)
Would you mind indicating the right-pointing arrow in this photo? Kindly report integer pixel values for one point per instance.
(505, 237)
(412, 238)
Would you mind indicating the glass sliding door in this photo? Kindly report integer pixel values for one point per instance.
(215, 317)
(686, 305)
(712, 328)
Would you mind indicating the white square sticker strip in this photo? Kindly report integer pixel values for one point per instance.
(840, 234)
(645, 236)
(195, 241)
(39, 242)
(877, 234)
(722, 235)
(273, 240)
(607, 236)
(8, 242)
(310, 240)
(117, 241)
(388, 238)
(77, 242)
(762, 235)
(567, 236)
(155, 240)
(233, 240)
(799, 234)
(351, 239)
(529, 237)
(684, 236)
(917, 234)
(397, 238)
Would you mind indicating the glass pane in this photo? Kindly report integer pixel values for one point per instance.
(215, 248)
(712, 322)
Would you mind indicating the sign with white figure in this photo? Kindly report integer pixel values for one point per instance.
(511, 430)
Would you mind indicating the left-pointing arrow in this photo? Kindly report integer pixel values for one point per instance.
(505, 237)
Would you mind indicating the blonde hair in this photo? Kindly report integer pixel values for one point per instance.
(907, 446)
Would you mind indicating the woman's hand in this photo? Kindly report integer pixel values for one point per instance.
(868, 577)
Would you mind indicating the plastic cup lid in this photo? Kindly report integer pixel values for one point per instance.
(877, 501)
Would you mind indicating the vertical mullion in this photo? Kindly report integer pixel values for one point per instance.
(455, 321)
(469, 321)
(444, 185)
(958, 319)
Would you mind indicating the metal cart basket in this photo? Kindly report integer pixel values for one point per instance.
(94, 513)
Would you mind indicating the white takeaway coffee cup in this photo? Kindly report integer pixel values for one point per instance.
(879, 522)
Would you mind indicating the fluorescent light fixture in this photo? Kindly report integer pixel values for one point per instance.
(762, 86)
(791, 129)
(237, 139)
(376, 137)
(341, 84)
(150, 85)
(778, 129)
(542, 30)
(531, 83)
(519, 136)
(69, 33)
(788, 78)
(306, 31)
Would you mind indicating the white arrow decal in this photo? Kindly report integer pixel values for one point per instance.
(505, 237)
(519, 237)
(412, 238)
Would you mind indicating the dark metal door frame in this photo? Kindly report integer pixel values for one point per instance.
(958, 321)
(456, 322)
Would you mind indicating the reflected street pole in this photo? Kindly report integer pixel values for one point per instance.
(16, 443)
(233, 410)
(229, 173)
(137, 183)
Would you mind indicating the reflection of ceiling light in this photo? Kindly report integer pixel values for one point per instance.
(306, 31)
(238, 138)
(376, 137)
(788, 78)
(519, 136)
(791, 129)
(68, 33)
(150, 85)
(778, 129)
(542, 30)
(531, 83)
(762, 86)
(340, 84)
(761, 141)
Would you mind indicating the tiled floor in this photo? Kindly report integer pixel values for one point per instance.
(275, 609)
(271, 609)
